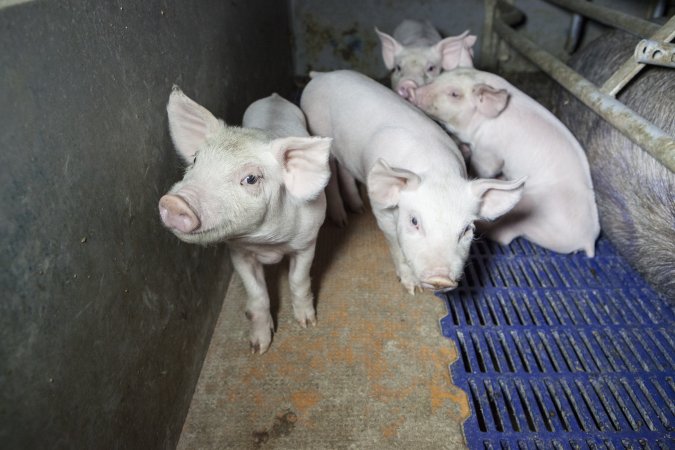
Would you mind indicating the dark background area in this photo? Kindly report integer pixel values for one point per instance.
(106, 316)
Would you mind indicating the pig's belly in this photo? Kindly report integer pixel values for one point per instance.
(269, 256)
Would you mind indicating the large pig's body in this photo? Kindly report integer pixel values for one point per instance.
(635, 193)
(514, 136)
(417, 54)
(415, 175)
(259, 189)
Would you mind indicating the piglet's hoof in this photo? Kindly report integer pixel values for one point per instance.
(262, 329)
(410, 286)
(259, 347)
(306, 317)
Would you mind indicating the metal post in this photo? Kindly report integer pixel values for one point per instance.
(639, 130)
(574, 35)
(488, 45)
(609, 17)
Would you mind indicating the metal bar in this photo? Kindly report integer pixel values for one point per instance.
(621, 77)
(657, 53)
(488, 45)
(507, 13)
(574, 35)
(645, 134)
(609, 17)
(659, 9)
(492, 49)
(630, 68)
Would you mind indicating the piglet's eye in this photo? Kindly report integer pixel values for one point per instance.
(250, 179)
(431, 68)
(454, 94)
(413, 221)
(397, 68)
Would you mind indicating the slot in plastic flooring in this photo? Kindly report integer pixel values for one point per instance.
(561, 351)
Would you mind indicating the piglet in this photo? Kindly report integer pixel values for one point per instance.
(513, 136)
(259, 189)
(416, 53)
(415, 175)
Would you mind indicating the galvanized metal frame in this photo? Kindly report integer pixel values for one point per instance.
(649, 137)
(632, 67)
(652, 51)
(615, 19)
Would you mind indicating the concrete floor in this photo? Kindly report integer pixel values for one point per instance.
(372, 374)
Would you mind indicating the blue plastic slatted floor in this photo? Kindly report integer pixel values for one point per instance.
(562, 351)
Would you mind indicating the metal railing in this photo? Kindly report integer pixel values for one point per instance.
(648, 136)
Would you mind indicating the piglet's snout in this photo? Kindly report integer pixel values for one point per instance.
(420, 97)
(177, 214)
(439, 283)
(406, 89)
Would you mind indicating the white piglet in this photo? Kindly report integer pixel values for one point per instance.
(415, 175)
(259, 189)
(417, 54)
(511, 135)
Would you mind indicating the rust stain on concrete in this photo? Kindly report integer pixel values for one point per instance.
(374, 373)
(304, 400)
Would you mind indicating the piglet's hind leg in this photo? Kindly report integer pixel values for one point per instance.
(350, 190)
(336, 208)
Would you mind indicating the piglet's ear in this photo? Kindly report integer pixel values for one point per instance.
(497, 197)
(304, 163)
(490, 101)
(390, 47)
(457, 51)
(189, 124)
(386, 183)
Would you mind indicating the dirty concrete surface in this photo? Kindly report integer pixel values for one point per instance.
(374, 372)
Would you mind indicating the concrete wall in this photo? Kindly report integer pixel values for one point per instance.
(337, 34)
(105, 316)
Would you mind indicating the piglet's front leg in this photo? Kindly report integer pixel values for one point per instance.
(403, 270)
(301, 286)
(258, 305)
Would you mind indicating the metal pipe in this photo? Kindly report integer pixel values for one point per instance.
(488, 45)
(509, 14)
(574, 35)
(492, 51)
(609, 17)
(659, 9)
(639, 130)
(656, 53)
(576, 31)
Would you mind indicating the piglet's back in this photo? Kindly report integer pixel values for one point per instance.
(548, 148)
(361, 114)
(277, 116)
